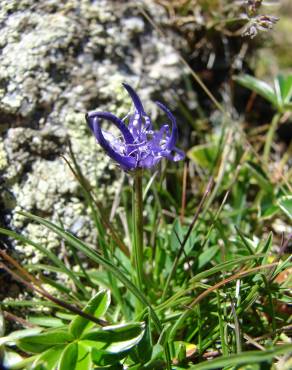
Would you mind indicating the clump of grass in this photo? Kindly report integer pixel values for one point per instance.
(213, 284)
(215, 280)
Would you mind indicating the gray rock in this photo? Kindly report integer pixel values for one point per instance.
(59, 60)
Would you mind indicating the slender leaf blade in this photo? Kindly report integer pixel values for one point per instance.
(285, 85)
(69, 357)
(40, 342)
(84, 358)
(250, 357)
(97, 307)
(49, 359)
(258, 86)
(97, 258)
(285, 203)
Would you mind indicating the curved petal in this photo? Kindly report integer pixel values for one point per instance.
(149, 161)
(126, 162)
(177, 156)
(117, 144)
(112, 118)
(155, 142)
(174, 132)
(135, 98)
(135, 124)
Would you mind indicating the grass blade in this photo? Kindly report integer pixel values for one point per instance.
(49, 254)
(94, 256)
(244, 358)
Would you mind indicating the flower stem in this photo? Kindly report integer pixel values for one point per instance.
(138, 228)
(270, 137)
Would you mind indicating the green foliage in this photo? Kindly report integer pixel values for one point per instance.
(251, 357)
(79, 344)
(285, 203)
(222, 266)
(97, 307)
(218, 293)
(279, 95)
(204, 155)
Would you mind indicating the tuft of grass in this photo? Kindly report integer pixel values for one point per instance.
(215, 253)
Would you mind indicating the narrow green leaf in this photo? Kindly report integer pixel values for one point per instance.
(182, 318)
(177, 236)
(260, 176)
(207, 256)
(225, 266)
(69, 357)
(204, 155)
(84, 358)
(286, 264)
(265, 249)
(97, 307)
(180, 350)
(142, 352)
(97, 258)
(246, 242)
(43, 267)
(267, 206)
(43, 341)
(285, 203)
(163, 338)
(50, 322)
(65, 316)
(244, 358)
(269, 212)
(46, 252)
(116, 333)
(258, 86)
(14, 336)
(285, 85)
(49, 359)
(62, 288)
(111, 344)
(102, 357)
(278, 92)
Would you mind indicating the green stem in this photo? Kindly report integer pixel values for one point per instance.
(221, 325)
(270, 137)
(183, 243)
(138, 228)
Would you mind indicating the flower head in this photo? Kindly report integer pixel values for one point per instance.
(259, 23)
(139, 146)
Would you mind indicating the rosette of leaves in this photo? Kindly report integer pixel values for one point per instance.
(79, 345)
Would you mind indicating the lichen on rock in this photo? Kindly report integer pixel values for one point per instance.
(3, 156)
(58, 61)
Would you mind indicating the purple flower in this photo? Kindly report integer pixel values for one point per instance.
(259, 23)
(139, 146)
